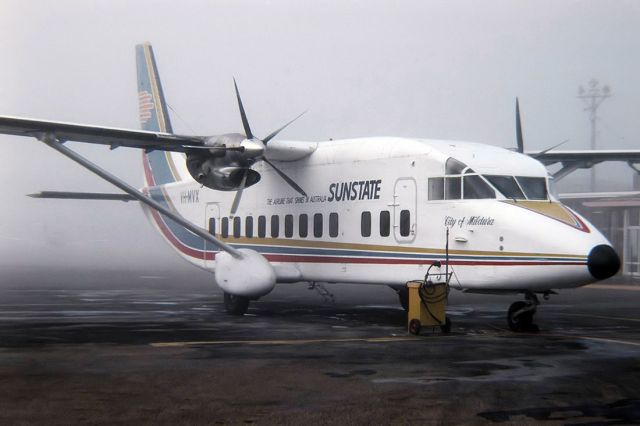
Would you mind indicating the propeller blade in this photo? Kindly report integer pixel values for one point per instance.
(519, 138)
(236, 199)
(243, 115)
(274, 134)
(286, 178)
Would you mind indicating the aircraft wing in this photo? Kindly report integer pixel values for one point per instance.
(573, 160)
(586, 156)
(111, 136)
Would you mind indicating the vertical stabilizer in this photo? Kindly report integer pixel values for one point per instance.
(151, 103)
(159, 166)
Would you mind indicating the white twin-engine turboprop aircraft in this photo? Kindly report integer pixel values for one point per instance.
(376, 210)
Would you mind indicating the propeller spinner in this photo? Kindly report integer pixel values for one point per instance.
(254, 149)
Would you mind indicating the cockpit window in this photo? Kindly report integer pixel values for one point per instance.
(535, 188)
(454, 167)
(475, 188)
(507, 185)
(460, 181)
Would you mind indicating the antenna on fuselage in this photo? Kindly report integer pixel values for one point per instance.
(446, 257)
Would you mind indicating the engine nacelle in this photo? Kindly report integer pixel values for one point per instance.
(215, 173)
(250, 276)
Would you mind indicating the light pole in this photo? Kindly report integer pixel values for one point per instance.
(593, 97)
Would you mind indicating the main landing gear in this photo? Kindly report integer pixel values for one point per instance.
(520, 314)
(236, 305)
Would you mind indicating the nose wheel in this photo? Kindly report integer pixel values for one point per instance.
(520, 314)
(236, 305)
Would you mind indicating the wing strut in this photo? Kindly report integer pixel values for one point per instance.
(51, 140)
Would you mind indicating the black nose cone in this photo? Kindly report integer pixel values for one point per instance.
(603, 262)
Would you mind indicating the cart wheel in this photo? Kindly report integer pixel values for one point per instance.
(446, 327)
(414, 326)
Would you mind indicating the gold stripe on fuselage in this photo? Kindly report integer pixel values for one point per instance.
(383, 248)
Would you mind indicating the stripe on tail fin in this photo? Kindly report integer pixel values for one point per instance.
(154, 116)
(153, 108)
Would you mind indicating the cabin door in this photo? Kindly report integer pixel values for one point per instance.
(404, 210)
(211, 224)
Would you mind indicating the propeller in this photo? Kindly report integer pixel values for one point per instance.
(250, 136)
(519, 138)
(236, 199)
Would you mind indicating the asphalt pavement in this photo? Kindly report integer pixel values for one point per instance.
(145, 349)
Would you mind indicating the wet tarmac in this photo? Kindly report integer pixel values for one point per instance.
(156, 350)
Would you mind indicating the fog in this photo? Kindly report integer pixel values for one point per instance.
(434, 69)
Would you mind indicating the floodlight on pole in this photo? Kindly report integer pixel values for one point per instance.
(593, 97)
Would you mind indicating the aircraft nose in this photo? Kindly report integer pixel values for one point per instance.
(603, 262)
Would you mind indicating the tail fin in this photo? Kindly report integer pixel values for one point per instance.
(159, 166)
(151, 103)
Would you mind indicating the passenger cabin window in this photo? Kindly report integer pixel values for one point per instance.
(212, 225)
(236, 227)
(333, 225)
(224, 227)
(303, 225)
(275, 226)
(288, 226)
(248, 226)
(365, 224)
(317, 225)
(262, 226)
(385, 223)
(405, 223)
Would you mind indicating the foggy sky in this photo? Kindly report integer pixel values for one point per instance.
(434, 69)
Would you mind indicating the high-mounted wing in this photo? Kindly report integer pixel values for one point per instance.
(573, 160)
(112, 136)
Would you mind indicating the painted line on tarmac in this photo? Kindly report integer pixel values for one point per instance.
(629, 287)
(600, 317)
(289, 341)
(507, 332)
(601, 339)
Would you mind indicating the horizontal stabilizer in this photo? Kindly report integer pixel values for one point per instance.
(82, 196)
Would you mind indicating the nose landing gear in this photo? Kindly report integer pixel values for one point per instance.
(520, 314)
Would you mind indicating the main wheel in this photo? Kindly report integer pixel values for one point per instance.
(403, 296)
(446, 327)
(414, 326)
(235, 305)
(522, 322)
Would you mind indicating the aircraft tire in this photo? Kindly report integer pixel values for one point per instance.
(235, 305)
(414, 326)
(403, 297)
(446, 327)
(522, 322)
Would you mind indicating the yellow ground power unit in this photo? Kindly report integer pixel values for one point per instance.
(428, 304)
